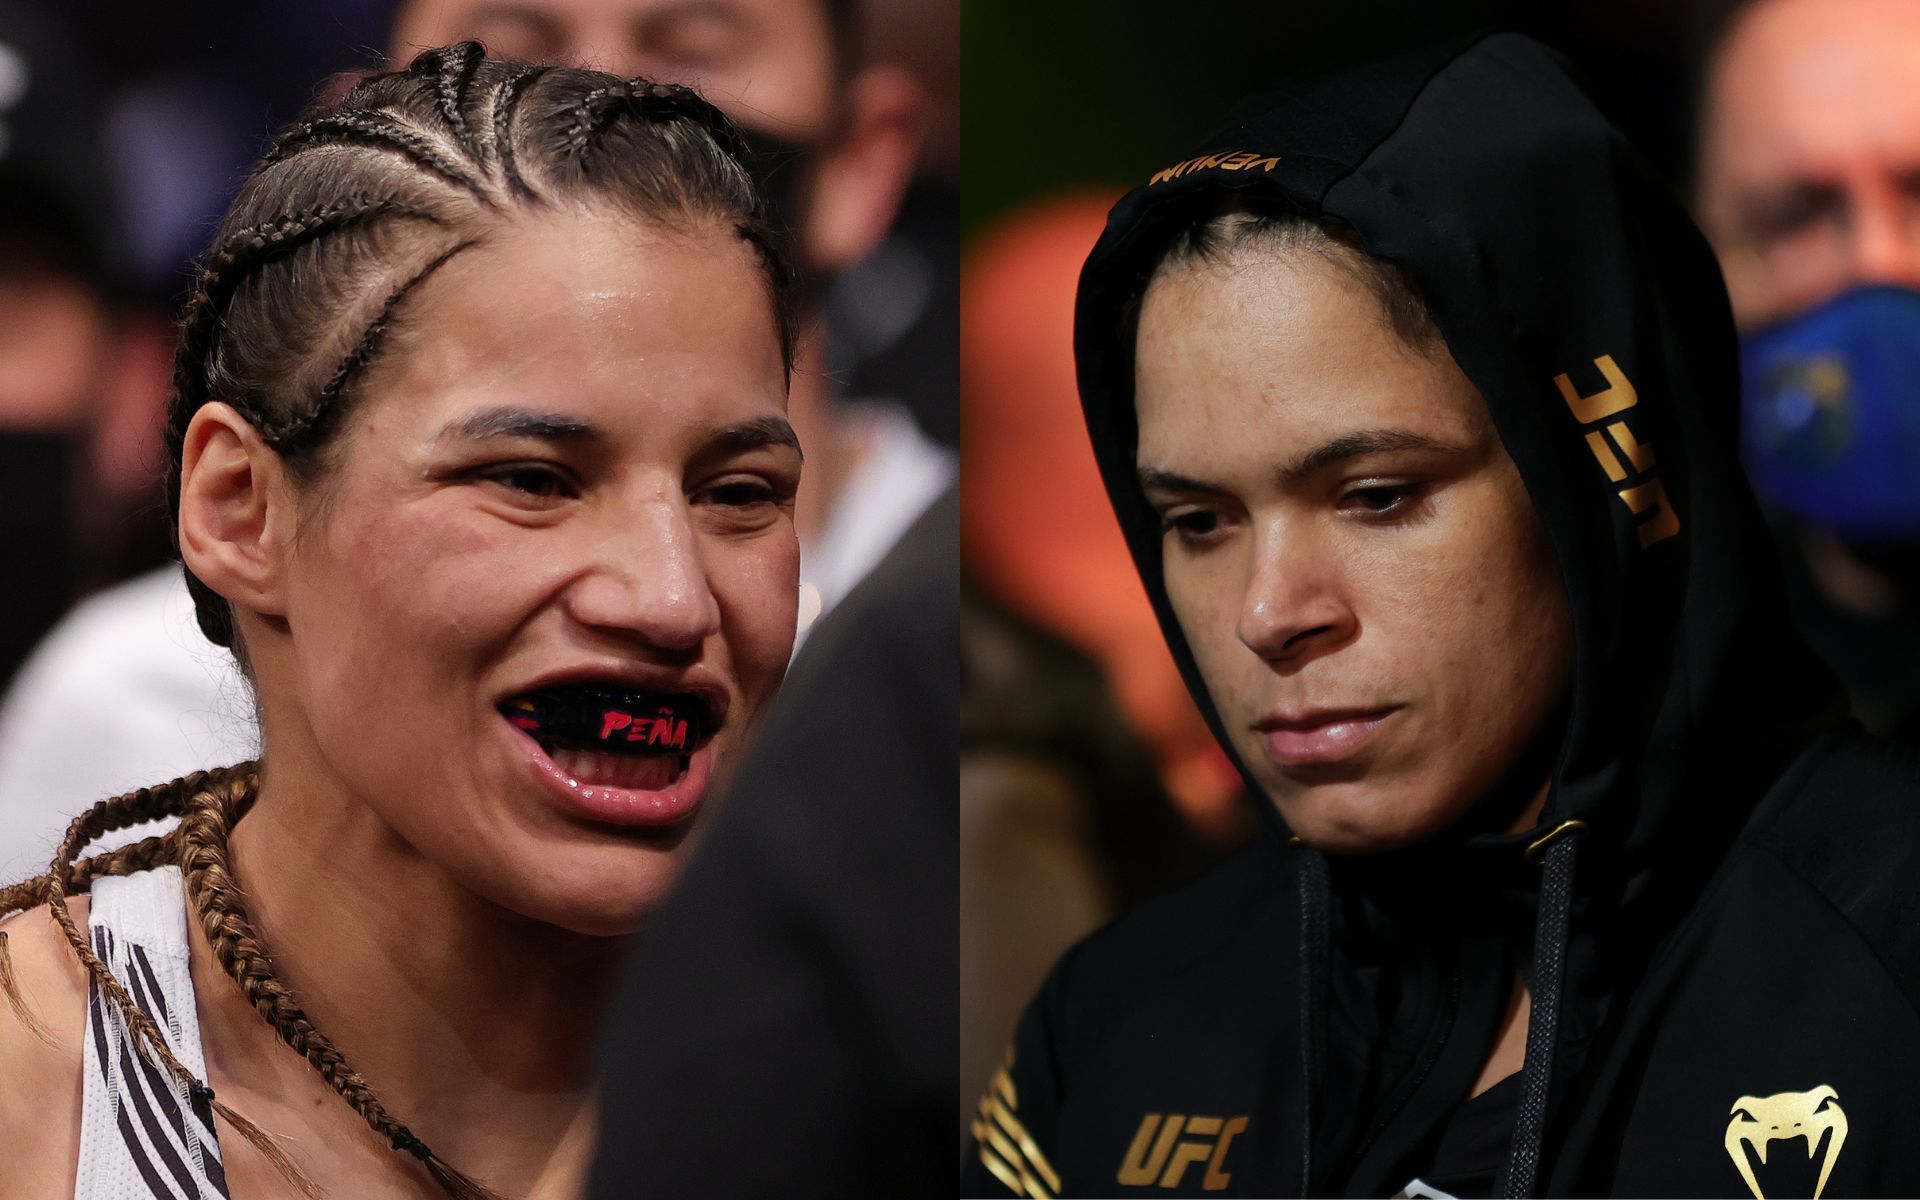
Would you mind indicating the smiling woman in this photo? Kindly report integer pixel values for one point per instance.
(482, 470)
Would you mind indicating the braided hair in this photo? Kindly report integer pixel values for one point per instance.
(350, 210)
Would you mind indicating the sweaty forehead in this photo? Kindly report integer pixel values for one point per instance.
(579, 305)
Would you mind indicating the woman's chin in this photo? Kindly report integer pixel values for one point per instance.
(599, 893)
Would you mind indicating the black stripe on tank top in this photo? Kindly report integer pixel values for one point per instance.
(134, 1090)
(208, 1160)
(205, 1134)
(128, 1136)
(151, 1089)
(153, 984)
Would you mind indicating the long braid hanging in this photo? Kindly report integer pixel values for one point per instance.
(208, 803)
(61, 881)
(224, 918)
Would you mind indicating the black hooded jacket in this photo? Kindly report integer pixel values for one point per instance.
(1721, 938)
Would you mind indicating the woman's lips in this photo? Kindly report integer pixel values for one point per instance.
(616, 805)
(1319, 738)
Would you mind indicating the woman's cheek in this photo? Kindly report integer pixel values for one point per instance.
(756, 584)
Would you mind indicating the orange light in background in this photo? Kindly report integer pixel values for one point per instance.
(1039, 534)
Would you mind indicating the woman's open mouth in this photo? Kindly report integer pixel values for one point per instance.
(616, 755)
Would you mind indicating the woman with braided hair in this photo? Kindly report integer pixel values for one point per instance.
(481, 469)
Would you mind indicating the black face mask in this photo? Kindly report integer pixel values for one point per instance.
(37, 550)
(785, 171)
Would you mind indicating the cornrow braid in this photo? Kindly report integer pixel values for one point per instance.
(591, 114)
(224, 918)
(657, 103)
(453, 69)
(506, 102)
(252, 247)
(285, 436)
(378, 130)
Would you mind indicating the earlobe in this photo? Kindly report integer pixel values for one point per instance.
(861, 178)
(232, 510)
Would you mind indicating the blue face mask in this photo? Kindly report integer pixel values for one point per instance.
(1830, 414)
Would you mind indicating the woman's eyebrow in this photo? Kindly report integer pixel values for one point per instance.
(755, 435)
(1347, 446)
(509, 422)
(1359, 444)
(1154, 478)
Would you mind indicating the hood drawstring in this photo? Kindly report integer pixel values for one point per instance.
(1315, 933)
(1543, 1014)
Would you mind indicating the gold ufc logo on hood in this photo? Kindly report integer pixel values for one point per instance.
(1642, 489)
(1207, 1140)
(1760, 1120)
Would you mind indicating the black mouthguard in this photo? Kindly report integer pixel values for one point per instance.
(629, 722)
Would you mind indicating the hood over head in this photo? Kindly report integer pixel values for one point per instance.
(1574, 292)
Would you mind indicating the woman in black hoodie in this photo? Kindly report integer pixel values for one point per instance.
(1415, 395)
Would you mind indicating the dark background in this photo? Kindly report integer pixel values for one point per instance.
(1102, 91)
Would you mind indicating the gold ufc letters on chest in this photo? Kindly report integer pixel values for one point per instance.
(1166, 1145)
(1609, 417)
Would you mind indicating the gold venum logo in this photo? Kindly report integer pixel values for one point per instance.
(1006, 1149)
(1760, 1120)
(1226, 160)
(1645, 494)
(1166, 1157)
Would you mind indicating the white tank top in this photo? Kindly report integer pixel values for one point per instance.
(142, 1136)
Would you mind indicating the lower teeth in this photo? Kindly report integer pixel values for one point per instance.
(642, 772)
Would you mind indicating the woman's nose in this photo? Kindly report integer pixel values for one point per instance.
(647, 578)
(1292, 605)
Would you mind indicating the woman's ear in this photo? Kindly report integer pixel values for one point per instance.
(234, 510)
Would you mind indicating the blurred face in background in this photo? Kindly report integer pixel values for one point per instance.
(771, 62)
(56, 338)
(773, 65)
(1352, 557)
(1809, 174)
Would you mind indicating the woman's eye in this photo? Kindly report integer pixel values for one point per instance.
(1192, 525)
(1380, 500)
(531, 479)
(739, 493)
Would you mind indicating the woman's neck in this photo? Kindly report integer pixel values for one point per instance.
(474, 1026)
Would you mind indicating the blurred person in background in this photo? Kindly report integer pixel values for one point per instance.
(798, 991)
(1064, 823)
(72, 333)
(838, 135)
(1088, 780)
(1807, 181)
(81, 377)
